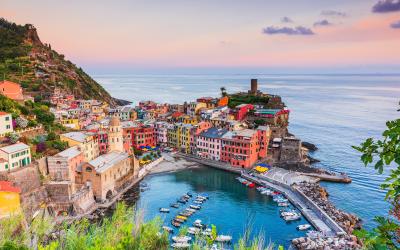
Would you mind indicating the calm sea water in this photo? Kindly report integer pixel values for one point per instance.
(332, 111)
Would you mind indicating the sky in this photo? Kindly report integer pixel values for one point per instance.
(127, 35)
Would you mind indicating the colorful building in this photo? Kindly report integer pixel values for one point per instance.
(14, 156)
(5, 124)
(11, 90)
(142, 136)
(240, 111)
(86, 141)
(72, 123)
(10, 203)
(161, 131)
(209, 143)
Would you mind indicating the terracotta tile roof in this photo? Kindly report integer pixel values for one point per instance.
(177, 114)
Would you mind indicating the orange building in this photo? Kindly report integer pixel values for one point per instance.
(223, 101)
(12, 90)
(9, 199)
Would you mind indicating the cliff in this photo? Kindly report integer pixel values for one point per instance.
(39, 68)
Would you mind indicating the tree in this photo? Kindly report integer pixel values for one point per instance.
(381, 153)
(223, 91)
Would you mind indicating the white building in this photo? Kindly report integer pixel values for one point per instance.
(5, 123)
(161, 130)
(14, 156)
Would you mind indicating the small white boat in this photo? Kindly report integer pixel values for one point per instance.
(266, 192)
(193, 230)
(283, 204)
(292, 217)
(303, 227)
(206, 232)
(223, 238)
(198, 202)
(195, 207)
(168, 229)
(181, 239)
(197, 223)
(190, 210)
(180, 245)
(288, 213)
(164, 210)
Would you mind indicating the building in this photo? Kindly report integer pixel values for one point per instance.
(184, 137)
(106, 173)
(10, 202)
(241, 148)
(143, 136)
(14, 156)
(240, 111)
(5, 123)
(72, 123)
(62, 166)
(11, 90)
(209, 143)
(86, 141)
(161, 132)
(115, 138)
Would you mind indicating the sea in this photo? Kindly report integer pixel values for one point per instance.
(332, 111)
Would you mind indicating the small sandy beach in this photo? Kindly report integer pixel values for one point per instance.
(173, 163)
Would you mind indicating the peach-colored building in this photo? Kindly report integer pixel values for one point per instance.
(12, 90)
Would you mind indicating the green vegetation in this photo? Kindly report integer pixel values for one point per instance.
(381, 153)
(238, 99)
(125, 229)
(24, 59)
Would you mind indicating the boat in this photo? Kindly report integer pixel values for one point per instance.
(164, 210)
(197, 202)
(181, 238)
(185, 213)
(223, 238)
(292, 217)
(266, 192)
(193, 230)
(174, 205)
(176, 223)
(190, 210)
(250, 184)
(303, 227)
(197, 223)
(283, 204)
(189, 194)
(179, 220)
(207, 232)
(288, 213)
(182, 201)
(168, 229)
(261, 188)
(195, 207)
(181, 217)
(180, 245)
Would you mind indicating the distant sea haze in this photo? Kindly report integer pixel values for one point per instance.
(332, 111)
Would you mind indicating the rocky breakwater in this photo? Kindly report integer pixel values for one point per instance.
(347, 221)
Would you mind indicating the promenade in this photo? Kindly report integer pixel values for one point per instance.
(315, 215)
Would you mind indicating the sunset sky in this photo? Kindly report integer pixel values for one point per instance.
(127, 34)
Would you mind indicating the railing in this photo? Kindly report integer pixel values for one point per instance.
(21, 131)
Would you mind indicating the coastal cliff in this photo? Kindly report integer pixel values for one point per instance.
(39, 68)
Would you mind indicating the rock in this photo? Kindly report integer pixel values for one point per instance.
(311, 147)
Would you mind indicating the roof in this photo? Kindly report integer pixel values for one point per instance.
(14, 148)
(3, 113)
(115, 121)
(76, 136)
(70, 152)
(9, 82)
(6, 186)
(265, 128)
(106, 161)
(177, 114)
(129, 124)
(214, 132)
(243, 133)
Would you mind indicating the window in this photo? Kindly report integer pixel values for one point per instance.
(89, 169)
(7, 117)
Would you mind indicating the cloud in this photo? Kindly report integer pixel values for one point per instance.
(384, 6)
(333, 13)
(395, 25)
(299, 30)
(323, 23)
(286, 19)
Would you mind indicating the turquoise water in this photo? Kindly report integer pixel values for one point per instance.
(332, 111)
(230, 208)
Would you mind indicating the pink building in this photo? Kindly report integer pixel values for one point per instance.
(209, 143)
(63, 165)
(240, 111)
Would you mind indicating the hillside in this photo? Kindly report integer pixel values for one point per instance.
(39, 68)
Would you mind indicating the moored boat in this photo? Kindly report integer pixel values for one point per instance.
(168, 229)
(195, 207)
(180, 245)
(181, 238)
(164, 210)
(223, 238)
(176, 223)
(303, 227)
(283, 204)
(174, 205)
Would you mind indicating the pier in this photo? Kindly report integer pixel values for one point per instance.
(311, 211)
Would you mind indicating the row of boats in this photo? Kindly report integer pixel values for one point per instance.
(197, 228)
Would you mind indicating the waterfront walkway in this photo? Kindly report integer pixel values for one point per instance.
(285, 184)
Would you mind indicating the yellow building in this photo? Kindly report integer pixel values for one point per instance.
(9, 199)
(184, 137)
(188, 120)
(87, 142)
(70, 123)
(173, 136)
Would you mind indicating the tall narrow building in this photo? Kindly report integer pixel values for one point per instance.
(115, 138)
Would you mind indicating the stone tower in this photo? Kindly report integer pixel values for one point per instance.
(115, 139)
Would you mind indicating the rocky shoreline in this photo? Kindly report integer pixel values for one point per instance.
(347, 221)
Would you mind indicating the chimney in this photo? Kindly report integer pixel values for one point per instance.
(254, 86)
